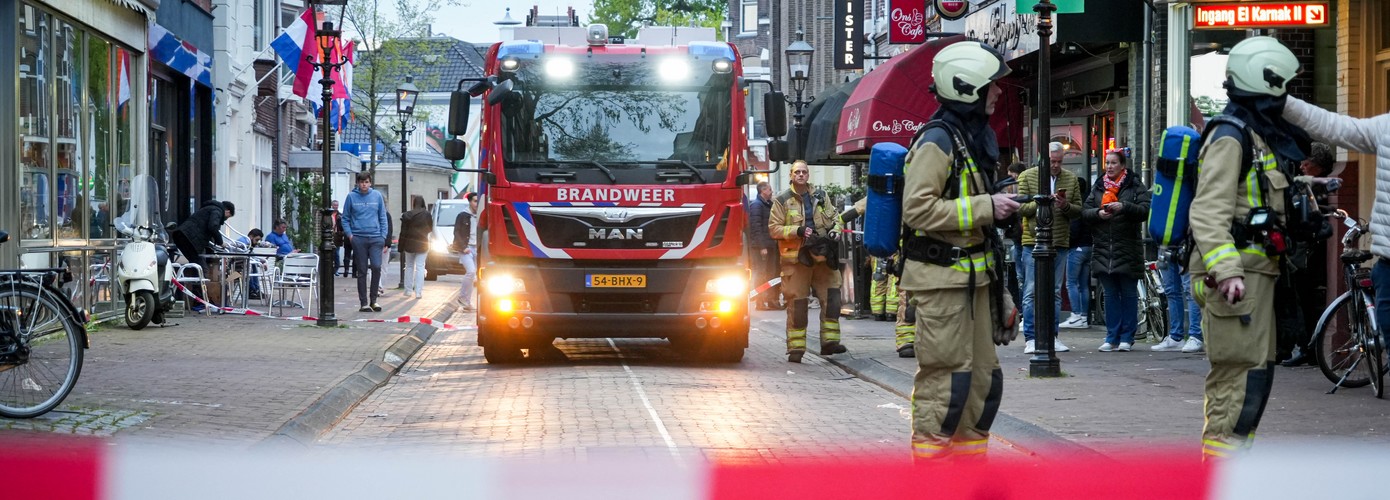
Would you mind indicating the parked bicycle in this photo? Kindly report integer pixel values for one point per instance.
(1346, 341)
(42, 337)
(1153, 303)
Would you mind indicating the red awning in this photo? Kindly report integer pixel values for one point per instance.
(894, 100)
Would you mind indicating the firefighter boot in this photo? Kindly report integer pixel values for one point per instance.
(832, 347)
(907, 351)
(880, 317)
(794, 355)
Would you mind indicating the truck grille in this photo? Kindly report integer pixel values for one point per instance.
(616, 228)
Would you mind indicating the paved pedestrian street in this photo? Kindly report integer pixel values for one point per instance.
(627, 396)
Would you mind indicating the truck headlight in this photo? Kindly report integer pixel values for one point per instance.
(504, 284)
(728, 286)
(439, 246)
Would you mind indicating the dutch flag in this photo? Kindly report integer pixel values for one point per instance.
(296, 45)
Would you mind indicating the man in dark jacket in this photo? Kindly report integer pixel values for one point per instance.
(764, 248)
(200, 232)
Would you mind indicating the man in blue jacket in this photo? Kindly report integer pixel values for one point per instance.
(277, 237)
(364, 226)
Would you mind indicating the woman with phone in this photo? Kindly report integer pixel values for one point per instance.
(1115, 211)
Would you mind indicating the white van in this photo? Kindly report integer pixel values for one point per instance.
(441, 260)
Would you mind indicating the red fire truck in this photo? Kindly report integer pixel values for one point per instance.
(613, 203)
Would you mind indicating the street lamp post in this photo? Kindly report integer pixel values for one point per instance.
(406, 94)
(799, 73)
(327, 39)
(1044, 362)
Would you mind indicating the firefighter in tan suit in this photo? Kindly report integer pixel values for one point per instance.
(948, 204)
(803, 273)
(1233, 249)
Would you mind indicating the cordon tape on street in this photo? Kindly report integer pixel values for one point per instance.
(252, 312)
(80, 468)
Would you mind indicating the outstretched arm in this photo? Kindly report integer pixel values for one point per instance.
(1356, 134)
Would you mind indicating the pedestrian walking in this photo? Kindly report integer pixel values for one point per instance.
(365, 226)
(953, 275)
(765, 261)
(466, 245)
(804, 222)
(1115, 212)
(386, 252)
(338, 248)
(1237, 240)
(1066, 206)
(416, 226)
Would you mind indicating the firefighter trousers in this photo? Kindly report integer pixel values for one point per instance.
(1240, 342)
(905, 328)
(798, 282)
(958, 386)
(883, 294)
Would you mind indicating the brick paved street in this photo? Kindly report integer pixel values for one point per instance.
(632, 396)
(222, 379)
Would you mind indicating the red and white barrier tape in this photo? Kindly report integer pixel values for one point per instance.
(252, 312)
(764, 287)
(93, 469)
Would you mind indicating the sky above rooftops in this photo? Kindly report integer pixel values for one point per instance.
(474, 23)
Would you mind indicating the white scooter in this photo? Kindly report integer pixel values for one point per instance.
(145, 268)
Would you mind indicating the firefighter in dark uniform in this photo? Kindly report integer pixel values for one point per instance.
(1237, 239)
(952, 272)
(804, 223)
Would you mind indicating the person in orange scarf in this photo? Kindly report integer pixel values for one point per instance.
(1115, 211)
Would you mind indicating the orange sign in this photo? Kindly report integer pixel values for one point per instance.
(1262, 15)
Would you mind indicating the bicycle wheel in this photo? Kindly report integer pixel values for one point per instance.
(40, 350)
(1374, 345)
(1337, 348)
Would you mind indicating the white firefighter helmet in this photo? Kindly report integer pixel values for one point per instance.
(1261, 65)
(963, 70)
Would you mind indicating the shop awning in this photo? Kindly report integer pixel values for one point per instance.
(894, 100)
(822, 121)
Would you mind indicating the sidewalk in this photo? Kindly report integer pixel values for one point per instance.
(237, 380)
(1117, 401)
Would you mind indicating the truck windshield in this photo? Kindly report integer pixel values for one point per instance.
(619, 113)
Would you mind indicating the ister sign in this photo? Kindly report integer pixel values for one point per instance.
(1262, 15)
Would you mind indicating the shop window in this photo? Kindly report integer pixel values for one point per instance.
(96, 181)
(71, 151)
(35, 115)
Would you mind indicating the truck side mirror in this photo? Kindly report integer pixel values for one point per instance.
(459, 102)
(455, 149)
(775, 113)
(778, 150)
(500, 92)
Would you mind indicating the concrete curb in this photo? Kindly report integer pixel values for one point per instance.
(334, 405)
(1017, 433)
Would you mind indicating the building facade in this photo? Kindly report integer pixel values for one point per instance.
(79, 116)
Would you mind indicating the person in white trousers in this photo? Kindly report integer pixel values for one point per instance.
(466, 241)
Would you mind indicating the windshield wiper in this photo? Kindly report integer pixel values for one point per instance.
(685, 164)
(612, 178)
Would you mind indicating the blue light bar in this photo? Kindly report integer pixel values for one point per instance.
(711, 50)
(521, 49)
